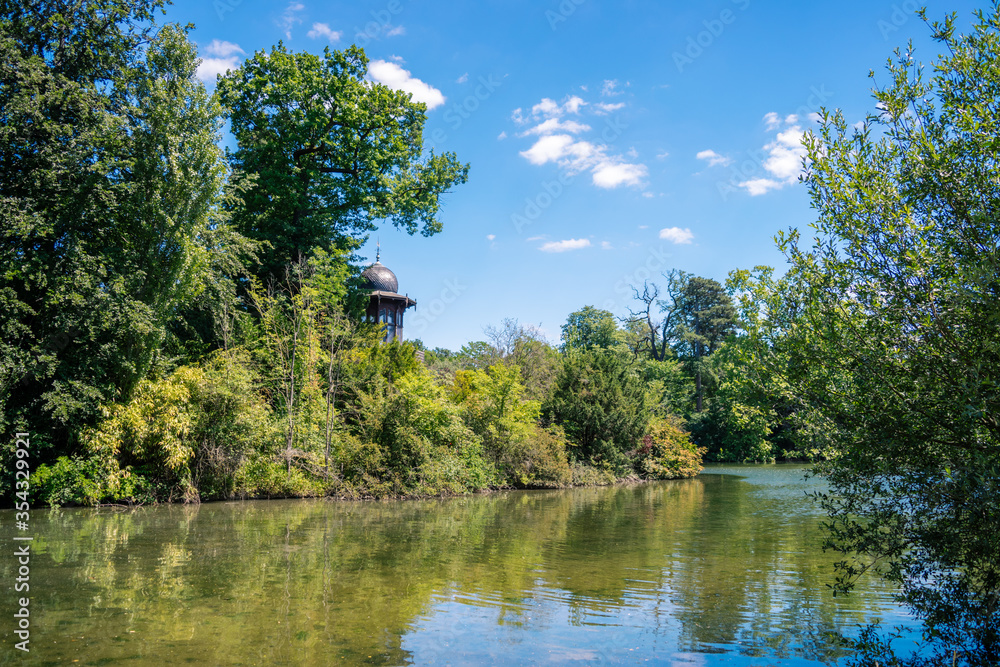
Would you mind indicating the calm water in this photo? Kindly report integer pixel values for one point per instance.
(720, 569)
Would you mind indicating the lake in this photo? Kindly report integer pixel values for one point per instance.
(724, 568)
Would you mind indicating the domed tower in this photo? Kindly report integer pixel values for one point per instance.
(385, 303)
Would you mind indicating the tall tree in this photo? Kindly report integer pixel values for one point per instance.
(898, 323)
(707, 316)
(331, 153)
(109, 176)
(591, 327)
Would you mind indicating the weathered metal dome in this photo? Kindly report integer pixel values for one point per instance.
(379, 277)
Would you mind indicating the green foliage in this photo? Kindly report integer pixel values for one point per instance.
(331, 153)
(591, 327)
(494, 406)
(888, 332)
(667, 451)
(600, 400)
(110, 185)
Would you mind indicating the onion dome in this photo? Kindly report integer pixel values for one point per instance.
(379, 277)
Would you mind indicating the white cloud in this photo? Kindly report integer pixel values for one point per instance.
(605, 245)
(573, 104)
(548, 149)
(534, 238)
(396, 32)
(491, 237)
(611, 175)
(677, 235)
(396, 77)
(604, 108)
(783, 163)
(610, 88)
(563, 246)
(555, 125)
(502, 136)
(759, 186)
(463, 78)
(210, 68)
(226, 58)
(643, 226)
(714, 159)
(223, 49)
(557, 142)
(290, 17)
(664, 154)
(322, 30)
(546, 107)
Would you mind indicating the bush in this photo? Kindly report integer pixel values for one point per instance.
(667, 452)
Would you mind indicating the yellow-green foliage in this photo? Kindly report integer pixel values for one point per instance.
(410, 439)
(185, 436)
(494, 406)
(667, 451)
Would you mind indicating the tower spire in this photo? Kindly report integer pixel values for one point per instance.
(378, 248)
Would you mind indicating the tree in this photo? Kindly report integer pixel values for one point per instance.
(591, 327)
(600, 400)
(707, 316)
(331, 153)
(897, 311)
(658, 334)
(109, 182)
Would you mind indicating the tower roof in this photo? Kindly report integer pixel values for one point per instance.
(379, 277)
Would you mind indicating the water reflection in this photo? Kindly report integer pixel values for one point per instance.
(697, 571)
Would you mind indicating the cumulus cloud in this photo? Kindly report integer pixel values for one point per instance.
(555, 125)
(606, 245)
(677, 235)
(610, 88)
(611, 175)
(563, 246)
(463, 78)
(323, 31)
(226, 57)
(290, 17)
(714, 159)
(604, 108)
(783, 161)
(548, 149)
(210, 68)
(396, 31)
(558, 142)
(223, 49)
(491, 237)
(394, 76)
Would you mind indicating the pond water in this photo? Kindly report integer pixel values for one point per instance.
(724, 568)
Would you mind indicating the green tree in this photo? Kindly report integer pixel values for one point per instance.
(899, 307)
(706, 317)
(591, 327)
(109, 180)
(331, 153)
(600, 400)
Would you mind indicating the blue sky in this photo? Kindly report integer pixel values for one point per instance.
(608, 141)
